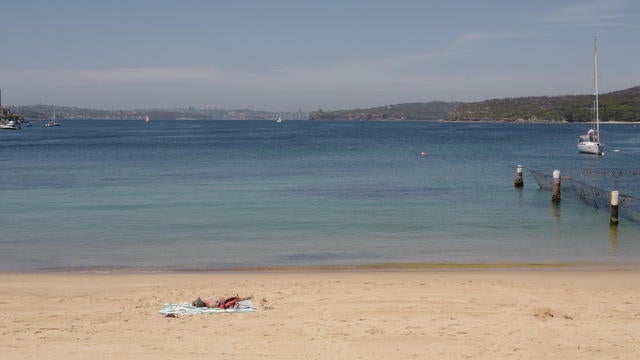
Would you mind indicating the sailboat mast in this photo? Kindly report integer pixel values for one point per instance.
(595, 84)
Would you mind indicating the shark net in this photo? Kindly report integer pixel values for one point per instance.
(593, 187)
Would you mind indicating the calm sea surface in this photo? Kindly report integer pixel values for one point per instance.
(223, 194)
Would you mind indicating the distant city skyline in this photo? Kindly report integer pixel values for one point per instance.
(286, 55)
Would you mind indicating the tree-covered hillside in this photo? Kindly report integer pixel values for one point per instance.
(621, 105)
(410, 111)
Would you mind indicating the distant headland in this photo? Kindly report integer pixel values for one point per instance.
(623, 106)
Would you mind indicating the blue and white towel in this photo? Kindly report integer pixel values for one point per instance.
(188, 309)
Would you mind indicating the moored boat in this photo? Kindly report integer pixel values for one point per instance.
(10, 125)
(589, 143)
(53, 121)
(9, 120)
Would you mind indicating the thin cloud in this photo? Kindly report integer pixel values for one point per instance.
(590, 13)
(420, 58)
(489, 36)
(131, 76)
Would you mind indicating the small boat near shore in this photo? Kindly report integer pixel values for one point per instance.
(52, 122)
(10, 125)
(9, 120)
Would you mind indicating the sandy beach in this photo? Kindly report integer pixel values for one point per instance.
(326, 314)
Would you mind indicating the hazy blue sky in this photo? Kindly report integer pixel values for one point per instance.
(323, 54)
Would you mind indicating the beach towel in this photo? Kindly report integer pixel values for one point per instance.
(188, 309)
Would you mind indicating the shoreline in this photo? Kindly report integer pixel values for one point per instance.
(517, 121)
(479, 121)
(395, 266)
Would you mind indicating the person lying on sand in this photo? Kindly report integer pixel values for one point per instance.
(219, 302)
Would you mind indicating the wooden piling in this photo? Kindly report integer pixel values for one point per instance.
(613, 239)
(518, 182)
(613, 217)
(555, 192)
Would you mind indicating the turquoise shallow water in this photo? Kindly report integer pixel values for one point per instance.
(222, 194)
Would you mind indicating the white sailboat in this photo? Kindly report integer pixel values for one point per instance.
(53, 121)
(589, 143)
(279, 119)
(146, 119)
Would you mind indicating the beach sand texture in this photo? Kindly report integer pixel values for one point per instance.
(401, 314)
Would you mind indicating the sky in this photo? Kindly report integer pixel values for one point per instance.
(285, 55)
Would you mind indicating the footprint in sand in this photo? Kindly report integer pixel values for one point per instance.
(547, 313)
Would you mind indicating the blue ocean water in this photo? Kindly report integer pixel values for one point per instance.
(226, 194)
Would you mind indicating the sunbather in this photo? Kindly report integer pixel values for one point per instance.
(219, 302)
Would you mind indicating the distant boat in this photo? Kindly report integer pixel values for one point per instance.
(589, 143)
(279, 119)
(146, 119)
(53, 121)
(9, 120)
(10, 125)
